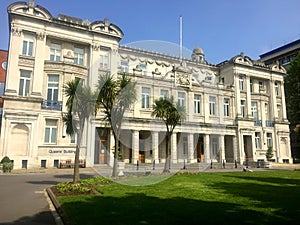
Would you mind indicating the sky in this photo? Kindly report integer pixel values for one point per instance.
(222, 29)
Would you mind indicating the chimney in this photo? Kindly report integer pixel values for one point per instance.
(106, 22)
(31, 3)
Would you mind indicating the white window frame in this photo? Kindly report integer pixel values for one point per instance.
(124, 65)
(276, 86)
(257, 140)
(241, 82)
(55, 52)
(104, 59)
(197, 104)
(78, 56)
(212, 105)
(164, 93)
(145, 98)
(24, 82)
(28, 45)
(50, 136)
(143, 67)
(269, 140)
(53, 86)
(243, 107)
(226, 107)
(254, 111)
(181, 99)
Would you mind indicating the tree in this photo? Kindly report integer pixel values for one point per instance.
(115, 95)
(171, 115)
(269, 154)
(80, 105)
(292, 96)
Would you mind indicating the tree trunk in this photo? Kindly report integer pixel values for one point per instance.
(167, 163)
(76, 177)
(115, 166)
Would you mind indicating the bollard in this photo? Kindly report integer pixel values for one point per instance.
(153, 165)
(223, 163)
(211, 164)
(184, 165)
(247, 163)
(137, 165)
(235, 164)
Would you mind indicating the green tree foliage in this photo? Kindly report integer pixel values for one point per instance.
(171, 115)
(269, 154)
(115, 95)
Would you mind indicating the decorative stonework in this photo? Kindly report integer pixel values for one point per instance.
(41, 36)
(16, 31)
(96, 46)
(25, 61)
(183, 79)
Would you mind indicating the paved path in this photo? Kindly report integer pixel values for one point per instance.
(22, 196)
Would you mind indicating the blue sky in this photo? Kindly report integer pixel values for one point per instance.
(222, 29)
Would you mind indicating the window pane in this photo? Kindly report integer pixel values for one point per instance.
(24, 51)
(49, 95)
(53, 135)
(21, 87)
(30, 48)
(47, 134)
(27, 87)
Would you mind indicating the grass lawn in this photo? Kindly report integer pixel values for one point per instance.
(271, 197)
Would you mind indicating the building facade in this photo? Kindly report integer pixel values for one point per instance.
(234, 110)
(3, 63)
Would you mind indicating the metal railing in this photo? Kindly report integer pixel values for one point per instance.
(52, 105)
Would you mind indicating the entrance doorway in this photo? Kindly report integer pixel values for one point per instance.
(248, 147)
(101, 146)
(200, 149)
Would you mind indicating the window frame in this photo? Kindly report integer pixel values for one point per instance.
(56, 55)
(197, 104)
(243, 108)
(28, 48)
(254, 110)
(104, 61)
(241, 83)
(164, 95)
(257, 140)
(145, 97)
(226, 107)
(212, 105)
(181, 99)
(24, 83)
(50, 139)
(78, 56)
(53, 88)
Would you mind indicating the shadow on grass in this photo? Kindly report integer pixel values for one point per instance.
(138, 208)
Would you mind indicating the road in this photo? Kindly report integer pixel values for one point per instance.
(23, 200)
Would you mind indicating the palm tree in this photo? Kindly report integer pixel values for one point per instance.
(80, 105)
(172, 115)
(115, 95)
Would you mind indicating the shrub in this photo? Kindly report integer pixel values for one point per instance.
(5, 160)
(7, 165)
(70, 187)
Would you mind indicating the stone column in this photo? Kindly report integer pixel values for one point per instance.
(273, 101)
(191, 148)
(174, 147)
(222, 147)
(135, 146)
(248, 94)
(283, 105)
(238, 96)
(155, 146)
(37, 75)
(15, 48)
(235, 148)
(206, 148)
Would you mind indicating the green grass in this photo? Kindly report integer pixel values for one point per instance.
(271, 197)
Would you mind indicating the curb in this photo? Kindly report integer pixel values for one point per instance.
(59, 215)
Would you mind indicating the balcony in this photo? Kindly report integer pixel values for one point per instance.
(52, 105)
(269, 123)
(257, 123)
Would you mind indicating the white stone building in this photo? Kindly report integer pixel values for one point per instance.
(234, 110)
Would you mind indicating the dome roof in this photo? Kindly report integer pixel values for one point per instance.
(198, 51)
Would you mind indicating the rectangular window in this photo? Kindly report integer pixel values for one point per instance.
(257, 140)
(55, 52)
(197, 104)
(164, 93)
(73, 138)
(279, 111)
(276, 85)
(104, 59)
(243, 107)
(226, 107)
(144, 69)
(124, 66)
(254, 110)
(24, 83)
(251, 85)
(78, 56)
(52, 92)
(267, 111)
(261, 86)
(269, 140)
(212, 105)
(145, 98)
(27, 48)
(241, 83)
(181, 99)
(50, 131)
